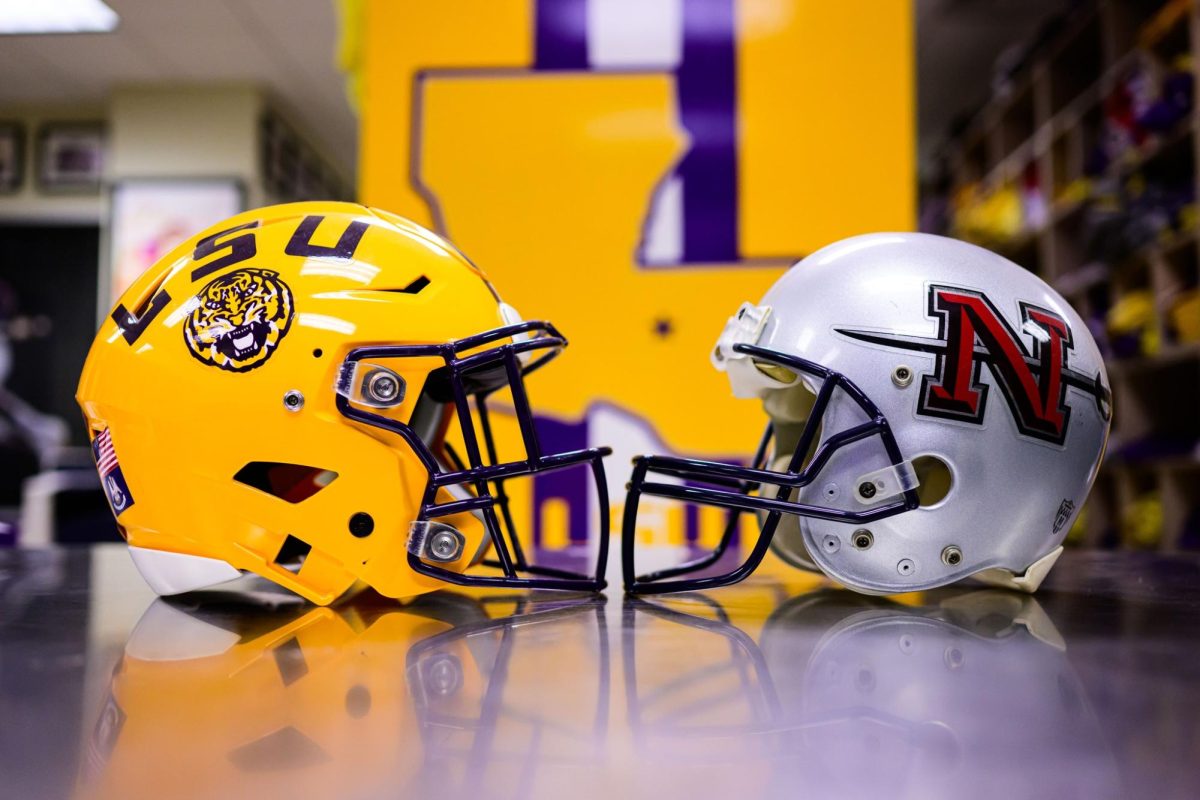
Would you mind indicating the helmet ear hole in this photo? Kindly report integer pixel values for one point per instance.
(935, 478)
(293, 483)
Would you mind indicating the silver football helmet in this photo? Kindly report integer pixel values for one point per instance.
(935, 412)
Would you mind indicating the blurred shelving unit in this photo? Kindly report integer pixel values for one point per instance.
(1058, 172)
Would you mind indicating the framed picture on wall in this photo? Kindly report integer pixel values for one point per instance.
(12, 156)
(150, 216)
(280, 154)
(292, 170)
(71, 156)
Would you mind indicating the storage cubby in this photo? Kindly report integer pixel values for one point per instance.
(1180, 482)
(1076, 59)
(1024, 250)
(1179, 292)
(1017, 121)
(971, 160)
(1066, 161)
(1139, 508)
(1168, 159)
(1099, 524)
(1166, 34)
(1157, 419)
(1126, 22)
(1067, 242)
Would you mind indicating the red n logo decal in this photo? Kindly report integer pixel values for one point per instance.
(976, 334)
(973, 334)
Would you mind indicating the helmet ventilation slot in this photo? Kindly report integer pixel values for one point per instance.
(292, 553)
(292, 483)
(143, 301)
(413, 288)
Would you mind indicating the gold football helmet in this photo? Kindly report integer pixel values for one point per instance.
(302, 392)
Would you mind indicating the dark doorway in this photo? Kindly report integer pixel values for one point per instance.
(52, 271)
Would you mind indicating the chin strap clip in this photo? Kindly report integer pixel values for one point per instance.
(886, 483)
(744, 327)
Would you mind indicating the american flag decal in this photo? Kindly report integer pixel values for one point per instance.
(111, 477)
(106, 457)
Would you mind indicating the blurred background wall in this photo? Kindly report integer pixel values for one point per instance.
(630, 170)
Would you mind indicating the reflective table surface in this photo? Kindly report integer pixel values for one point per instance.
(759, 690)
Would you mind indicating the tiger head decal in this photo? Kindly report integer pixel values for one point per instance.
(240, 319)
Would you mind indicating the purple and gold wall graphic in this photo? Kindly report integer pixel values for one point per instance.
(633, 170)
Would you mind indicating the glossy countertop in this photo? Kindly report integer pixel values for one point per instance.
(765, 689)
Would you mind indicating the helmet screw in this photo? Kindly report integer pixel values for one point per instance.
(862, 539)
(867, 489)
(361, 525)
(953, 657)
(293, 400)
(952, 556)
(443, 674)
(384, 387)
(445, 545)
(902, 376)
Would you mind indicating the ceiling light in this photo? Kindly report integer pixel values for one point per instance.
(56, 16)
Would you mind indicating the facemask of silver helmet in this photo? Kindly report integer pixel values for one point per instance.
(935, 412)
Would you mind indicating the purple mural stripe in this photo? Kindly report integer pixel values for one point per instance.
(691, 528)
(560, 35)
(571, 485)
(8, 534)
(707, 82)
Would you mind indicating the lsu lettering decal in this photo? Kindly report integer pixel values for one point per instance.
(111, 477)
(972, 334)
(245, 302)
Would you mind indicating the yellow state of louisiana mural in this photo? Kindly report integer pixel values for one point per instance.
(632, 170)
